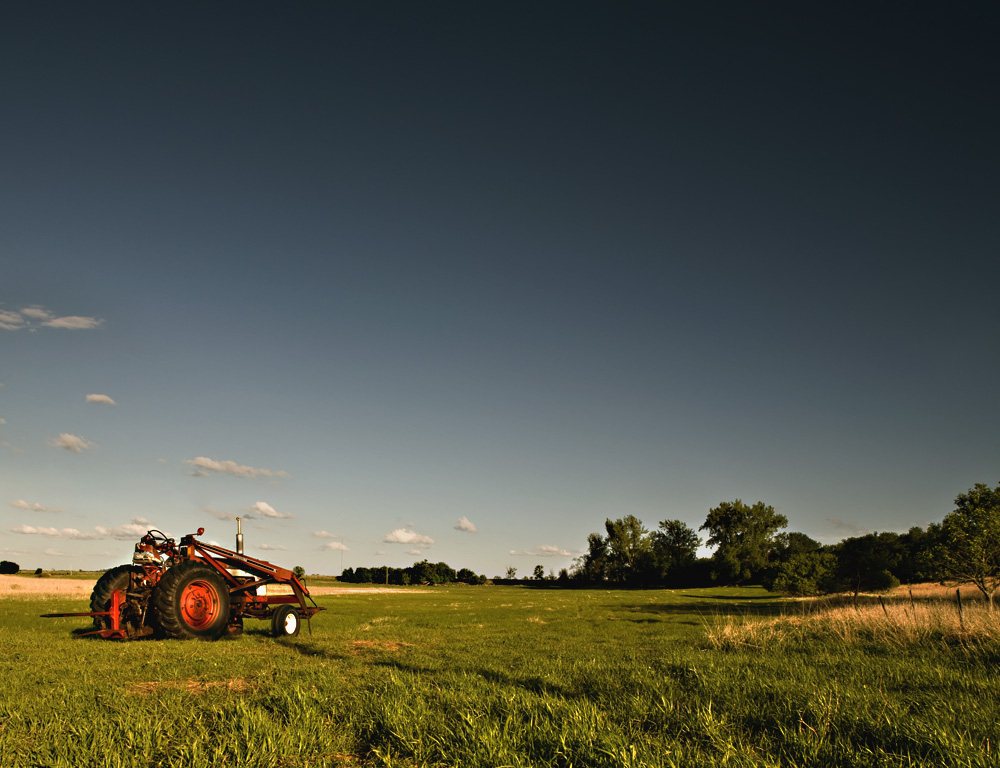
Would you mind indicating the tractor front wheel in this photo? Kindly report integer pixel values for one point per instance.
(285, 622)
(191, 602)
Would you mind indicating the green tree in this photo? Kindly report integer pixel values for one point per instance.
(628, 545)
(970, 551)
(673, 547)
(744, 538)
(299, 571)
(804, 573)
(593, 565)
(865, 563)
(539, 573)
(8, 567)
(511, 573)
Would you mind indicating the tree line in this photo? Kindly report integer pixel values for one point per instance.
(423, 572)
(752, 546)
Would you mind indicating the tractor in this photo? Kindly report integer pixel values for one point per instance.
(193, 590)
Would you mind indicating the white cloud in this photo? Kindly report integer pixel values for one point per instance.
(266, 510)
(219, 514)
(324, 535)
(272, 546)
(54, 552)
(37, 313)
(74, 322)
(134, 530)
(405, 536)
(29, 317)
(336, 546)
(465, 525)
(72, 443)
(32, 506)
(381, 553)
(202, 464)
(62, 533)
(100, 400)
(416, 552)
(3, 421)
(545, 550)
(11, 321)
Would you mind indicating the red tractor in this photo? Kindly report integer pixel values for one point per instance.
(193, 591)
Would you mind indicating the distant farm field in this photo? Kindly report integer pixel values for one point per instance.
(513, 676)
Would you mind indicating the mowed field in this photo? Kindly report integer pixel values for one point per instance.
(515, 676)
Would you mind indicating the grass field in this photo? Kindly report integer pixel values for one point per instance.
(510, 676)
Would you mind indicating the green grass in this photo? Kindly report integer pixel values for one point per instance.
(495, 676)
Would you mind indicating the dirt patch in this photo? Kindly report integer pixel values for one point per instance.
(190, 686)
(359, 646)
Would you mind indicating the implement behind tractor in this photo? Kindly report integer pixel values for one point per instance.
(193, 591)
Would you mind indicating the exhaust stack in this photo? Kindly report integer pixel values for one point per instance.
(239, 536)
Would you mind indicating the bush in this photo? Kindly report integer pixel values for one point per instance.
(9, 568)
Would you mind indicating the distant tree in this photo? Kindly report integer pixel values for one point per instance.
(673, 547)
(592, 566)
(299, 571)
(627, 546)
(539, 573)
(8, 568)
(563, 576)
(38, 571)
(864, 563)
(970, 550)
(347, 575)
(511, 573)
(469, 576)
(744, 538)
(804, 573)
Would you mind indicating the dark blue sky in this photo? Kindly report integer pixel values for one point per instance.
(532, 265)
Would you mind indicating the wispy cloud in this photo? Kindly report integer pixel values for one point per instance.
(73, 443)
(202, 465)
(280, 547)
(266, 510)
(406, 536)
(62, 533)
(32, 317)
(134, 530)
(465, 525)
(100, 400)
(324, 535)
(31, 506)
(336, 546)
(545, 550)
(414, 552)
(844, 526)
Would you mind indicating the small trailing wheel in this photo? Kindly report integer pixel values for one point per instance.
(285, 622)
(191, 602)
(119, 577)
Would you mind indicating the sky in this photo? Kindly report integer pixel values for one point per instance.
(460, 281)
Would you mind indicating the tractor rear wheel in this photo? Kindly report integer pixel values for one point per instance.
(100, 599)
(285, 622)
(191, 602)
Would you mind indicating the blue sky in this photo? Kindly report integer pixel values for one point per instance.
(396, 281)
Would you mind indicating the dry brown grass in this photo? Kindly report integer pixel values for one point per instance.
(930, 616)
(189, 686)
(34, 588)
(359, 646)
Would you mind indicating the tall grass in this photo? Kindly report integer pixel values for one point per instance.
(923, 615)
